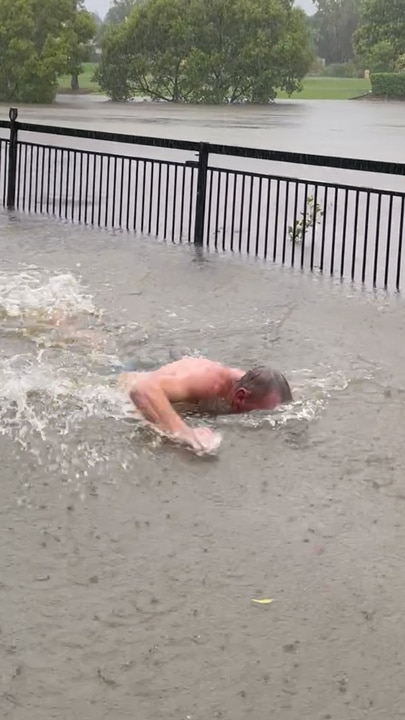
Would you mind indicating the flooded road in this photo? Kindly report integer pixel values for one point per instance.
(128, 567)
(254, 205)
(347, 128)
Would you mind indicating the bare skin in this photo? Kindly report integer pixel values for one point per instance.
(199, 382)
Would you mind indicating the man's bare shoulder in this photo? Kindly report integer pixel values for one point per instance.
(198, 377)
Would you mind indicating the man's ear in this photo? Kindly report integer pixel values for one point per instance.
(241, 394)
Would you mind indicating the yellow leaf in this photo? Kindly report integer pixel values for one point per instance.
(265, 601)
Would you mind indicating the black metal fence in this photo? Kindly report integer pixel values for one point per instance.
(348, 223)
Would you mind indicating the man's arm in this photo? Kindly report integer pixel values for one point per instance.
(153, 398)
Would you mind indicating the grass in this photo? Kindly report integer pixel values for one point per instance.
(86, 81)
(314, 88)
(326, 88)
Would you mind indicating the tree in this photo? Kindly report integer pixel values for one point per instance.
(80, 33)
(119, 11)
(333, 25)
(32, 48)
(112, 73)
(246, 50)
(161, 36)
(38, 42)
(210, 51)
(380, 39)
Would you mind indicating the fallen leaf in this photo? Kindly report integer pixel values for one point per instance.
(265, 601)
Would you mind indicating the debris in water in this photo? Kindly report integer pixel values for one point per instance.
(264, 601)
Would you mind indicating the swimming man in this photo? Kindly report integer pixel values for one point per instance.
(202, 385)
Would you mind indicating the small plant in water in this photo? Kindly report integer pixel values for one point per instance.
(310, 217)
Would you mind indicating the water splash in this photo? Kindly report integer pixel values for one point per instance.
(48, 383)
(31, 292)
(311, 388)
(57, 404)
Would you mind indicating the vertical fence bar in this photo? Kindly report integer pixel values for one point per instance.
(388, 247)
(12, 158)
(343, 249)
(276, 221)
(294, 226)
(217, 209)
(304, 227)
(19, 177)
(174, 202)
(225, 210)
(166, 202)
(5, 173)
(266, 230)
(285, 229)
(259, 212)
(182, 203)
(400, 242)
(201, 194)
(235, 179)
(356, 223)
(311, 265)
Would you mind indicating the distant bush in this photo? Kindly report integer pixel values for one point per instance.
(388, 85)
(317, 68)
(341, 70)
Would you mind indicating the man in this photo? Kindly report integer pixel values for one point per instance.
(206, 386)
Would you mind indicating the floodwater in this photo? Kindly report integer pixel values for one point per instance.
(128, 566)
(357, 233)
(362, 129)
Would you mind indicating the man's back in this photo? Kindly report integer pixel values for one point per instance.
(197, 379)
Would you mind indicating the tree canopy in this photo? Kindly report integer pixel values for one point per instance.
(208, 51)
(334, 23)
(39, 40)
(380, 39)
(119, 11)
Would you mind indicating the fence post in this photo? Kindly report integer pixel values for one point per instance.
(201, 194)
(12, 158)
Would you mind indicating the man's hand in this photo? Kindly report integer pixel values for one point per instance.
(205, 441)
(153, 397)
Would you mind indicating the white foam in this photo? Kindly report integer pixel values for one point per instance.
(32, 292)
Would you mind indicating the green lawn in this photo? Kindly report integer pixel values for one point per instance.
(85, 80)
(324, 88)
(315, 88)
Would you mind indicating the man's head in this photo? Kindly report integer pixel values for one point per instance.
(260, 389)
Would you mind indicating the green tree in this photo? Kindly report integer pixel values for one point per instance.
(161, 35)
(380, 39)
(80, 33)
(112, 73)
(210, 51)
(246, 50)
(36, 45)
(119, 11)
(333, 24)
(32, 48)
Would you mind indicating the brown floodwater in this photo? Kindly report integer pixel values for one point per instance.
(128, 566)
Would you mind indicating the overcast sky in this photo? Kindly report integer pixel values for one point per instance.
(101, 6)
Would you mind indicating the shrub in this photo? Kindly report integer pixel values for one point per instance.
(340, 70)
(388, 85)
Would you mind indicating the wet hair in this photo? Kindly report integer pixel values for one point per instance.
(262, 380)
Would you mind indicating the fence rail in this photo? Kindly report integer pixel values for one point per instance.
(347, 229)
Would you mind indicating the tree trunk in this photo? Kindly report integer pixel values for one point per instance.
(74, 82)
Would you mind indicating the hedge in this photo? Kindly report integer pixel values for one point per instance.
(388, 85)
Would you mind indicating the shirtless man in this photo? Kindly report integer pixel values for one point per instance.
(207, 386)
